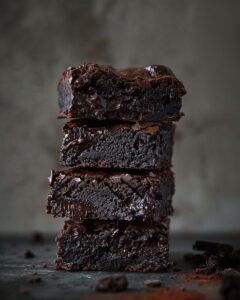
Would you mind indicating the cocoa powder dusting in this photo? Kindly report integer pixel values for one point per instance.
(165, 294)
(204, 278)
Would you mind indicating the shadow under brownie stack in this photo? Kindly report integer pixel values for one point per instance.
(116, 184)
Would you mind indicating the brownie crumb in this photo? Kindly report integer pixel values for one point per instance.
(29, 254)
(45, 266)
(153, 283)
(37, 237)
(230, 288)
(112, 284)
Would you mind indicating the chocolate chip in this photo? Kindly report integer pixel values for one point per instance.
(29, 254)
(112, 284)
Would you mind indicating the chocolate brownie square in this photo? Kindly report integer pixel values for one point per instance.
(100, 92)
(126, 146)
(110, 195)
(113, 246)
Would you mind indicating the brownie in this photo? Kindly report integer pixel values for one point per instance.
(113, 246)
(106, 195)
(100, 92)
(145, 145)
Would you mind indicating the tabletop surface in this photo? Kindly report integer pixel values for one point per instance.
(16, 271)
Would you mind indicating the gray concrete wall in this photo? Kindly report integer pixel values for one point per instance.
(198, 39)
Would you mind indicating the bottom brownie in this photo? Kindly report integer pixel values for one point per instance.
(111, 246)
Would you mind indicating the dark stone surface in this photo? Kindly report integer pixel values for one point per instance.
(16, 271)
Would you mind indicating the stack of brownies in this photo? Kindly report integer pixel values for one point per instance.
(116, 185)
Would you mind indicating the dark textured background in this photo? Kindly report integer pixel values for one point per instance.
(198, 39)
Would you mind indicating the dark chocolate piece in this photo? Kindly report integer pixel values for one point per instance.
(216, 259)
(113, 284)
(127, 146)
(212, 247)
(81, 194)
(113, 246)
(29, 254)
(98, 92)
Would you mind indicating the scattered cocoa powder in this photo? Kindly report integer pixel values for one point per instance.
(165, 294)
(204, 278)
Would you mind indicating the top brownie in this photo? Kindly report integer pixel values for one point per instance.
(98, 92)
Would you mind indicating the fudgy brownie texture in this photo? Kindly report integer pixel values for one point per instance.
(112, 246)
(127, 146)
(83, 195)
(98, 92)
